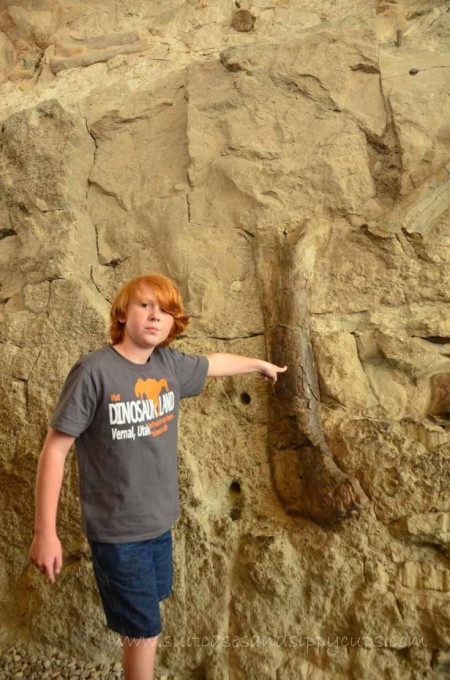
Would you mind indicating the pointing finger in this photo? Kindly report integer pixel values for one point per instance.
(49, 573)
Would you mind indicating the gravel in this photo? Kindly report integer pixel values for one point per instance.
(17, 663)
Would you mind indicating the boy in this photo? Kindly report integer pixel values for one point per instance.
(120, 404)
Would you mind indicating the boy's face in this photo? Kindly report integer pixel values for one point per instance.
(146, 324)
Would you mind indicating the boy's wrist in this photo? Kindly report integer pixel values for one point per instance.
(46, 531)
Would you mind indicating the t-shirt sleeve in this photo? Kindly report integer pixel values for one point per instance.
(76, 404)
(192, 372)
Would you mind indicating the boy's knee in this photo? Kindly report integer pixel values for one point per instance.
(129, 642)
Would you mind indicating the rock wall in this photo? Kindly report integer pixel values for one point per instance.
(287, 163)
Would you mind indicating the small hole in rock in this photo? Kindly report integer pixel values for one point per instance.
(440, 396)
(235, 513)
(245, 398)
(235, 487)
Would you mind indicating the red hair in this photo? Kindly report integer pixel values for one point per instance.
(169, 299)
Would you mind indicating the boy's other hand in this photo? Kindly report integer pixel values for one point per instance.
(46, 554)
(270, 371)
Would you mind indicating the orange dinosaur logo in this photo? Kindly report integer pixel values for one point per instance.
(150, 389)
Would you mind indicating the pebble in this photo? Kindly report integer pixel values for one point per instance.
(15, 663)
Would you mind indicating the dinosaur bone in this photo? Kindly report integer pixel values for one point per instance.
(90, 51)
(307, 479)
(418, 212)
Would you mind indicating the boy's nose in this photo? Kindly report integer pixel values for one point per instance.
(155, 312)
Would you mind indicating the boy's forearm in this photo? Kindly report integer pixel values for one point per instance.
(231, 364)
(221, 365)
(49, 481)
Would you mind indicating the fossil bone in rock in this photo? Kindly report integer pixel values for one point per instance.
(307, 479)
(418, 212)
(90, 51)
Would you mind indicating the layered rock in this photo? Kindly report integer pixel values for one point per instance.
(293, 178)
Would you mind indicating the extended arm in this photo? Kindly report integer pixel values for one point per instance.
(45, 550)
(221, 365)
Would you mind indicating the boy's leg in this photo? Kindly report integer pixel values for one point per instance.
(138, 657)
(132, 579)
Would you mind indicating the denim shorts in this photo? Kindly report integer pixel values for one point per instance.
(132, 579)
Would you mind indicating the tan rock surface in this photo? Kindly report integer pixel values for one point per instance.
(298, 168)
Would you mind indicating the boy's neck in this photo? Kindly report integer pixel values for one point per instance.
(135, 354)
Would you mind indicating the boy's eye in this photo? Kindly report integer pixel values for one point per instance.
(146, 305)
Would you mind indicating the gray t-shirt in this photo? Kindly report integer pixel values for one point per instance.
(125, 420)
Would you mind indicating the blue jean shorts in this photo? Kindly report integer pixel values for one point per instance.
(132, 579)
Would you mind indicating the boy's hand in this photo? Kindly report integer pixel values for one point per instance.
(270, 371)
(46, 554)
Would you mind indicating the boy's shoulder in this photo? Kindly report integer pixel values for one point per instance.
(106, 355)
(174, 355)
(97, 357)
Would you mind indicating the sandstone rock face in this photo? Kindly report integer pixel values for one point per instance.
(291, 172)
